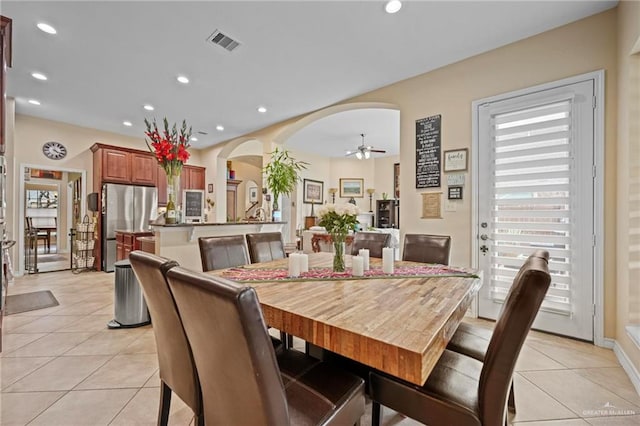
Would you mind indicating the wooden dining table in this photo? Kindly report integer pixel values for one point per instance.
(396, 324)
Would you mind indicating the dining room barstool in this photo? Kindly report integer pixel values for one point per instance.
(461, 390)
(251, 384)
(427, 248)
(175, 360)
(374, 241)
(265, 246)
(222, 252)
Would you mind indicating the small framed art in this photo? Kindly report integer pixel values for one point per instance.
(313, 191)
(351, 188)
(455, 160)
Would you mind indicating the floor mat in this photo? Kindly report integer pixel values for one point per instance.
(17, 303)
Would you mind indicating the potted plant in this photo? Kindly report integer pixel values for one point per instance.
(281, 174)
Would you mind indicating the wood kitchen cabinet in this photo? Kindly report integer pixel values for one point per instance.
(126, 242)
(144, 170)
(116, 166)
(192, 177)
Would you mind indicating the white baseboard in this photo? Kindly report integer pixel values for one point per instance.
(608, 343)
(627, 366)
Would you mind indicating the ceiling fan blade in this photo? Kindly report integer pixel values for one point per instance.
(378, 150)
(350, 153)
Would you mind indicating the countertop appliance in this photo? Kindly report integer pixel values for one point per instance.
(126, 208)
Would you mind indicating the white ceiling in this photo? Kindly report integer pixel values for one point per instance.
(110, 58)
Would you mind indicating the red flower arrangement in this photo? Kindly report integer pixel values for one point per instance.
(169, 146)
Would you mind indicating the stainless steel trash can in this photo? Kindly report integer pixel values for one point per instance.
(129, 305)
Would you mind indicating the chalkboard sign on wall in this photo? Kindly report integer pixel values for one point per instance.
(193, 205)
(428, 140)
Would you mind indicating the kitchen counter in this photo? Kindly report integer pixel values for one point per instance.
(180, 242)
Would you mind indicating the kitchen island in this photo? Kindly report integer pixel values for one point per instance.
(180, 242)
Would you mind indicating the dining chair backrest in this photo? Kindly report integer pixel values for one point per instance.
(519, 311)
(265, 246)
(241, 386)
(222, 252)
(427, 248)
(374, 241)
(177, 369)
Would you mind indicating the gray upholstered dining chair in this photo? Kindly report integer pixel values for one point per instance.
(175, 360)
(222, 252)
(374, 241)
(251, 385)
(427, 248)
(461, 390)
(265, 246)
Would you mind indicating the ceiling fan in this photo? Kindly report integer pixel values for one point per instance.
(363, 151)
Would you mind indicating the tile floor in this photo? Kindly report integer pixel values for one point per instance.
(62, 366)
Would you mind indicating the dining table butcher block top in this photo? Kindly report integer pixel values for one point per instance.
(398, 324)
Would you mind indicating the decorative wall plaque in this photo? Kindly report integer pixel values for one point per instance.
(431, 205)
(428, 141)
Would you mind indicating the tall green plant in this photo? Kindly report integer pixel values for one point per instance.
(282, 174)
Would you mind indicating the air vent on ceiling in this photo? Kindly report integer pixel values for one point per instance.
(223, 40)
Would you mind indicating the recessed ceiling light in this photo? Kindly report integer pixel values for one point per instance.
(262, 109)
(193, 138)
(182, 79)
(127, 123)
(46, 28)
(38, 76)
(393, 6)
(219, 128)
(149, 107)
(34, 102)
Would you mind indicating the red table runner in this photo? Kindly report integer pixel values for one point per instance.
(246, 275)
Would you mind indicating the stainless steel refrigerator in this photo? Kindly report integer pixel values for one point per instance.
(126, 208)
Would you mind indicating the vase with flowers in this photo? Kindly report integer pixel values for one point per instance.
(338, 220)
(170, 148)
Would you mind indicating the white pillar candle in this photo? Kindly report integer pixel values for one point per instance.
(365, 256)
(304, 262)
(387, 260)
(294, 265)
(357, 266)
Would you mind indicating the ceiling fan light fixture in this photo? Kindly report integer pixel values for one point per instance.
(367, 154)
(359, 155)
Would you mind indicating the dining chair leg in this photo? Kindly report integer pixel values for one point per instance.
(376, 413)
(199, 420)
(511, 403)
(165, 405)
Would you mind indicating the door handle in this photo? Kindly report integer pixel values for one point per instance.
(484, 237)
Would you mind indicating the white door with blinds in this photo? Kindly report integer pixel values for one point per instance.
(536, 191)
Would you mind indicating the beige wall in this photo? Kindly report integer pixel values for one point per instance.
(577, 48)
(628, 221)
(584, 46)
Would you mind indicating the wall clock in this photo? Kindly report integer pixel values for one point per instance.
(54, 150)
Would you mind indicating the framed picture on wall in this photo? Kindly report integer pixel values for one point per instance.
(313, 191)
(253, 194)
(351, 188)
(455, 160)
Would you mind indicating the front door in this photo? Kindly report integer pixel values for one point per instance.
(536, 191)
